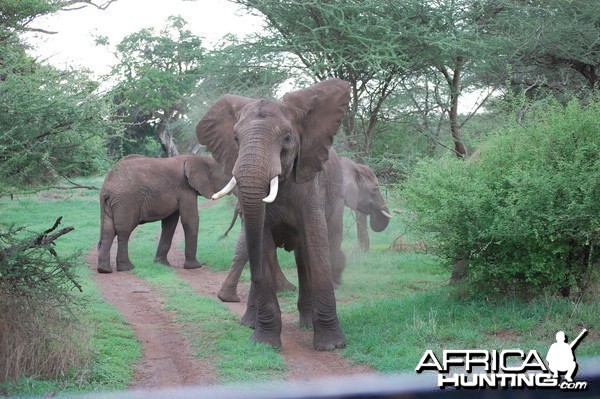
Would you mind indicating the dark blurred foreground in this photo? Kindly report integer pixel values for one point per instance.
(406, 385)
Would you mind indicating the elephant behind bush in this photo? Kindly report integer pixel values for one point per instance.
(140, 190)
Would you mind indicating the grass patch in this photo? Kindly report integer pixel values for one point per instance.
(213, 330)
(391, 334)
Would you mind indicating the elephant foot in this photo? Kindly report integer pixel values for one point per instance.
(330, 340)
(192, 264)
(306, 321)
(284, 286)
(104, 269)
(124, 266)
(271, 339)
(248, 320)
(162, 261)
(228, 295)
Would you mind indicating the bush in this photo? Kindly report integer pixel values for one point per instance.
(525, 214)
(39, 330)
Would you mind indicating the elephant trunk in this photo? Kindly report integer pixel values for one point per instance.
(254, 177)
(379, 219)
(254, 222)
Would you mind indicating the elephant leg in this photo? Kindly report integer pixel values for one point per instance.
(190, 222)
(268, 314)
(123, 262)
(304, 301)
(249, 317)
(281, 282)
(168, 226)
(107, 236)
(362, 232)
(327, 332)
(337, 257)
(228, 291)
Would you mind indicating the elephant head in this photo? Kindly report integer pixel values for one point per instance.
(361, 193)
(204, 174)
(267, 145)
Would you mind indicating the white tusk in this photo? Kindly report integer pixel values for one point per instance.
(273, 190)
(387, 215)
(226, 190)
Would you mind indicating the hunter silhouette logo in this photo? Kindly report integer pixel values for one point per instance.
(561, 357)
(509, 368)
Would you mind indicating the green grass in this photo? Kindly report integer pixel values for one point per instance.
(392, 305)
(214, 332)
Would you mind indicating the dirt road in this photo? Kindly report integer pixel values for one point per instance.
(167, 357)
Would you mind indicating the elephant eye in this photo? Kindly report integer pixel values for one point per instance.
(235, 138)
(287, 138)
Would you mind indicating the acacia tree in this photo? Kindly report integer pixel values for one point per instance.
(559, 45)
(354, 40)
(157, 73)
(378, 46)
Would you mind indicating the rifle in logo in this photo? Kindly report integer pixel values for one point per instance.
(561, 356)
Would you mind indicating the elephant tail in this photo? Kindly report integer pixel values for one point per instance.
(104, 213)
(236, 212)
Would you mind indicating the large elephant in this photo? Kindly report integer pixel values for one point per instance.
(289, 188)
(360, 192)
(140, 190)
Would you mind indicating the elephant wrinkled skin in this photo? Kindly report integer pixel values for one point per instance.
(140, 190)
(289, 184)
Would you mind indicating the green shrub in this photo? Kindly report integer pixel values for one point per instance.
(526, 213)
(39, 329)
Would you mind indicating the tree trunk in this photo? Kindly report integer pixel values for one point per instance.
(455, 90)
(165, 137)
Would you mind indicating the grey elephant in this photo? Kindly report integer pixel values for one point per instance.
(140, 190)
(289, 184)
(361, 193)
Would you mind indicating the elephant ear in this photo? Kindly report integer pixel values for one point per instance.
(321, 108)
(350, 186)
(215, 129)
(198, 175)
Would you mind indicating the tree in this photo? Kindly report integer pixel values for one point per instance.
(52, 123)
(559, 45)
(380, 46)
(354, 40)
(157, 72)
(16, 16)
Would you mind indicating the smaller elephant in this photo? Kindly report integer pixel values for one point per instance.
(140, 190)
(361, 193)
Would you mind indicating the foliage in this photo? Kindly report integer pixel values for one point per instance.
(559, 46)
(39, 328)
(525, 213)
(51, 122)
(157, 72)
